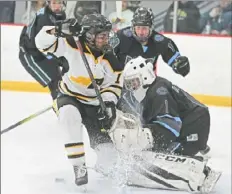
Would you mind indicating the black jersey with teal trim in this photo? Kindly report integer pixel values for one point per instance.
(157, 45)
(43, 17)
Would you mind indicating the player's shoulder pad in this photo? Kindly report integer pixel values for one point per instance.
(162, 91)
(41, 11)
(161, 86)
(157, 37)
(127, 32)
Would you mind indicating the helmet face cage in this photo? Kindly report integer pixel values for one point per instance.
(96, 24)
(133, 83)
(138, 73)
(142, 17)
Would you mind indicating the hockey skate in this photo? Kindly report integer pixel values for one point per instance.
(81, 175)
(210, 181)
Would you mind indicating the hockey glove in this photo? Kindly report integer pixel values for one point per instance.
(66, 28)
(181, 66)
(74, 27)
(107, 118)
(61, 62)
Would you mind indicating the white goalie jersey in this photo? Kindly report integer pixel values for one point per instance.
(76, 81)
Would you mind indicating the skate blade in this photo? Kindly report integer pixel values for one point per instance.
(210, 182)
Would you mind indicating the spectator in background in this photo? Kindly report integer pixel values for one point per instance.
(128, 8)
(188, 18)
(86, 7)
(35, 6)
(133, 5)
(7, 11)
(70, 9)
(219, 19)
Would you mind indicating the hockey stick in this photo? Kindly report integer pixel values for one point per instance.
(99, 97)
(26, 120)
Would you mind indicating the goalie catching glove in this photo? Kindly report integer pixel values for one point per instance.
(127, 133)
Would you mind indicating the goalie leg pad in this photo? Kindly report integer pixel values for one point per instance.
(210, 180)
(167, 172)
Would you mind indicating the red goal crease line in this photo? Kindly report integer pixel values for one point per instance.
(20, 86)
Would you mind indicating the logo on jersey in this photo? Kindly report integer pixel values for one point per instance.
(176, 88)
(86, 81)
(127, 32)
(170, 45)
(162, 91)
(158, 38)
(113, 40)
(128, 58)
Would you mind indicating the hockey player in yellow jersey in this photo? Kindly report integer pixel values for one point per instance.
(78, 106)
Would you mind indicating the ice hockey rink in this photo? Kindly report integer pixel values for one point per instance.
(33, 159)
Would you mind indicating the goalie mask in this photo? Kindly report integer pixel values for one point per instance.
(138, 73)
(98, 30)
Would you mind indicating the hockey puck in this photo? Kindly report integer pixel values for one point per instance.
(59, 180)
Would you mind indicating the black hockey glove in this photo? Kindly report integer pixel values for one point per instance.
(61, 62)
(181, 66)
(69, 27)
(107, 118)
(74, 27)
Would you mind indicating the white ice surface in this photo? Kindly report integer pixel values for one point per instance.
(32, 155)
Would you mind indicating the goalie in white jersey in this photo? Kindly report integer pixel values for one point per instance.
(78, 106)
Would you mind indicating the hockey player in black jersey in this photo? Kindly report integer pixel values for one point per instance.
(42, 69)
(141, 40)
(167, 137)
(174, 116)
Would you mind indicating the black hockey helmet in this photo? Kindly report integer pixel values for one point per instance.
(142, 17)
(83, 8)
(94, 24)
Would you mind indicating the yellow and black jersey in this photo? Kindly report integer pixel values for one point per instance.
(76, 81)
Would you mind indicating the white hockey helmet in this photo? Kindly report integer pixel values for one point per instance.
(138, 73)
